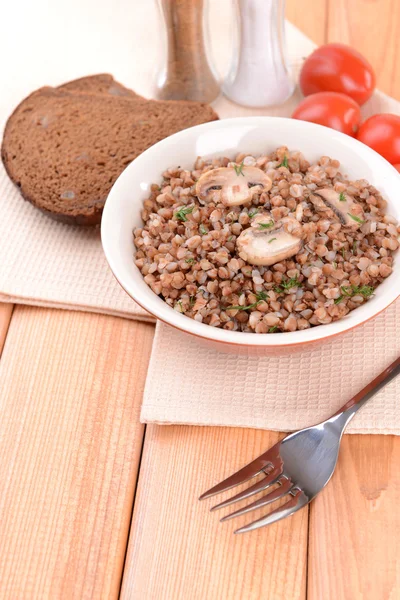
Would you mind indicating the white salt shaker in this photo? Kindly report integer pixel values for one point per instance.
(259, 73)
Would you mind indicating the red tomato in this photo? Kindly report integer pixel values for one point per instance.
(332, 110)
(338, 68)
(382, 133)
(397, 167)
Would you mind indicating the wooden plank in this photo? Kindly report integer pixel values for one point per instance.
(71, 385)
(5, 318)
(310, 16)
(372, 28)
(355, 524)
(179, 550)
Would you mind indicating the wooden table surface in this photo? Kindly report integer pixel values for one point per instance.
(95, 505)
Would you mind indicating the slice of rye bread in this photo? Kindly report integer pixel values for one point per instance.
(103, 83)
(66, 149)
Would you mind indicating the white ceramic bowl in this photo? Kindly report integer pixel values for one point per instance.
(253, 135)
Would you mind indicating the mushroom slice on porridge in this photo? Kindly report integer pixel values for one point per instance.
(341, 204)
(267, 247)
(232, 185)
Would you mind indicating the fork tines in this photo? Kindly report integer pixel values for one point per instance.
(269, 464)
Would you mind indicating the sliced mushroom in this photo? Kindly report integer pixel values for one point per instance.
(263, 221)
(232, 186)
(267, 247)
(342, 204)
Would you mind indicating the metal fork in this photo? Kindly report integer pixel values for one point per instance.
(300, 465)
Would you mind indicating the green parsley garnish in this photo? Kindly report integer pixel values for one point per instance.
(261, 296)
(343, 251)
(239, 169)
(266, 225)
(357, 219)
(182, 212)
(342, 197)
(179, 303)
(230, 238)
(288, 284)
(355, 290)
(252, 213)
(284, 163)
(273, 329)
(202, 229)
(269, 242)
(192, 300)
(190, 261)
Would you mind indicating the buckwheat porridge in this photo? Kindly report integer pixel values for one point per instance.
(264, 244)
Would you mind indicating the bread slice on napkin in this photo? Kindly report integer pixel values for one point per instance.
(65, 149)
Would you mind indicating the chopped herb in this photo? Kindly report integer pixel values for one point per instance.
(202, 229)
(273, 329)
(261, 296)
(342, 197)
(354, 290)
(366, 291)
(354, 247)
(355, 218)
(239, 169)
(179, 303)
(253, 212)
(230, 238)
(335, 265)
(190, 261)
(287, 285)
(266, 225)
(238, 307)
(343, 251)
(270, 241)
(182, 212)
(192, 300)
(284, 163)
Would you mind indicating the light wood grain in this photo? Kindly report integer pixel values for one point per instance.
(355, 524)
(179, 550)
(371, 26)
(71, 386)
(310, 16)
(5, 319)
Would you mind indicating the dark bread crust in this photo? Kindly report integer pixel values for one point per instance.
(65, 149)
(103, 83)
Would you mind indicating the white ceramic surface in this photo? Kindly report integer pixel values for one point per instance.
(253, 135)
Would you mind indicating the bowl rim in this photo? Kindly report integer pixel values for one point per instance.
(162, 311)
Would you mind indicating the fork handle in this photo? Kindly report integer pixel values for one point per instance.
(352, 406)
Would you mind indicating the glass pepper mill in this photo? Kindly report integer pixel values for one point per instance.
(186, 74)
(259, 74)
